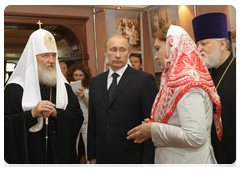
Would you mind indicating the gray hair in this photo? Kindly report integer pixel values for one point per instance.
(117, 35)
(228, 43)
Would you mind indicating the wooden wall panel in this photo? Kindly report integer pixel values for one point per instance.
(72, 28)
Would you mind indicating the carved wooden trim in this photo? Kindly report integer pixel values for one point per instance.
(72, 28)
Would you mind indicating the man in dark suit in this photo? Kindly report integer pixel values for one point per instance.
(116, 105)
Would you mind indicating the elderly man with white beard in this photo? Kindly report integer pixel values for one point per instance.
(37, 93)
(211, 35)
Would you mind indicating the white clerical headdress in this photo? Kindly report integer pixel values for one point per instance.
(26, 73)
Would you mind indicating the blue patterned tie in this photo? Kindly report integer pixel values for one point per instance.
(112, 87)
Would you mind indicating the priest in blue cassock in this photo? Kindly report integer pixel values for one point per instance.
(37, 94)
(211, 35)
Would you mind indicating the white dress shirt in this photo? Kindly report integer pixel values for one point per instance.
(119, 72)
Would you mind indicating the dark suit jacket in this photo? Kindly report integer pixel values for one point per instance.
(108, 123)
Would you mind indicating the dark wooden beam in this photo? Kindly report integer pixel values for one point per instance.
(71, 28)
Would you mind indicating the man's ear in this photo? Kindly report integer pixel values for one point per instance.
(105, 52)
(223, 44)
(129, 53)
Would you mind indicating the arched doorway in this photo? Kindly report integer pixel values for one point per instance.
(69, 29)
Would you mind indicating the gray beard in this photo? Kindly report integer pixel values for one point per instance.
(47, 77)
(211, 60)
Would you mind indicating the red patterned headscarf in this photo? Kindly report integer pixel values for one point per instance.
(184, 68)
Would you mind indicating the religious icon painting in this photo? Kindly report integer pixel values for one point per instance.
(126, 23)
(232, 32)
(49, 42)
(157, 18)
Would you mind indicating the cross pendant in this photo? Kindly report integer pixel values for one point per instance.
(39, 23)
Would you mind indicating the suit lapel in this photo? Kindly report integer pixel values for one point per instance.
(126, 78)
(103, 86)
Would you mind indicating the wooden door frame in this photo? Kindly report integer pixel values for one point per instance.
(72, 28)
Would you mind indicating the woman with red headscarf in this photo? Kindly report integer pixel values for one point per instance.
(186, 105)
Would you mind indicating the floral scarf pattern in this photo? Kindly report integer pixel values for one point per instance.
(184, 69)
